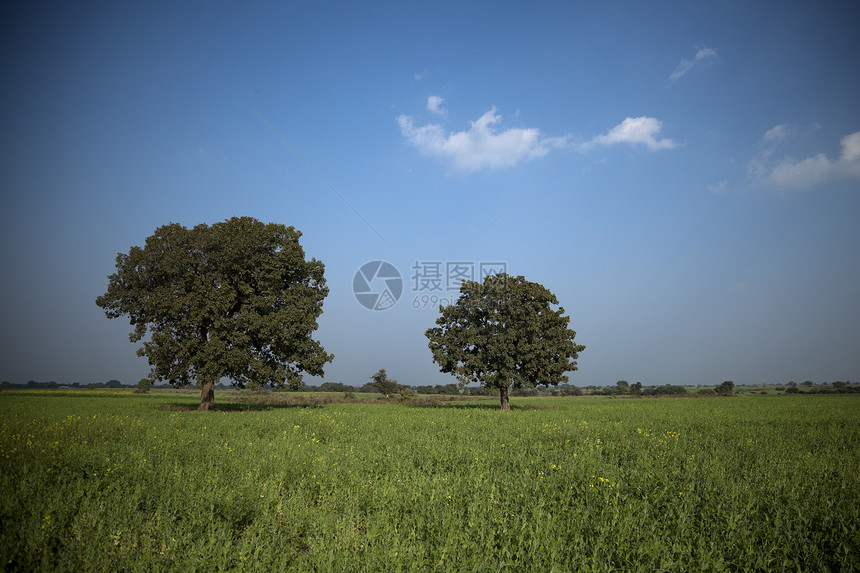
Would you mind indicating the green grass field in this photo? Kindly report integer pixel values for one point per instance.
(101, 481)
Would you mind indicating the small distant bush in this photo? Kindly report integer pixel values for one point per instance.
(406, 395)
(664, 390)
(727, 388)
(706, 392)
(143, 386)
(348, 396)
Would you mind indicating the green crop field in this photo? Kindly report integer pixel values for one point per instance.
(99, 481)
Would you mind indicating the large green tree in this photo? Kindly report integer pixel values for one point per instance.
(504, 332)
(236, 299)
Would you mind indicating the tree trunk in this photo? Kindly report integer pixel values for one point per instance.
(506, 401)
(207, 396)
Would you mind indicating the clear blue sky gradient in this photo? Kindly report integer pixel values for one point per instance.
(685, 177)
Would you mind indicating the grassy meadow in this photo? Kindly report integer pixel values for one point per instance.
(94, 481)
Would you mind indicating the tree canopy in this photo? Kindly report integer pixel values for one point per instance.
(504, 332)
(383, 384)
(236, 299)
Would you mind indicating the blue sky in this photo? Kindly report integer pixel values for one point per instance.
(685, 177)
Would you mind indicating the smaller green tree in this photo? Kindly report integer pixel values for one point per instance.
(504, 332)
(143, 386)
(383, 384)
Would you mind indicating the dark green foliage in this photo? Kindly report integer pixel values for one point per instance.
(236, 299)
(837, 387)
(727, 388)
(502, 333)
(407, 395)
(143, 386)
(568, 390)
(383, 384)
(335, 387)
(664, 390)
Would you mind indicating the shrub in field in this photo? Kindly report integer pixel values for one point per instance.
(407, 395)
(143, 386)
(727, 388)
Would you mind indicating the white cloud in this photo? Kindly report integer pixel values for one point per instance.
(791, 173)
(482, 145)
(851, 149)
(800, 174)
(634, 130)
(434, 104)
(777, 133)
(686, 65)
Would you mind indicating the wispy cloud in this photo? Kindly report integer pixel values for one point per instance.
(633, 131)
(434, 104)
(702, 55)
(719, 188)
(482, 145)
(790, 173)
(777, 133)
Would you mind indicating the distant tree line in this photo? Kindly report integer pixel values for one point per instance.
(372, 387)
(621, 388)
(54, 385)
(837, 387)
